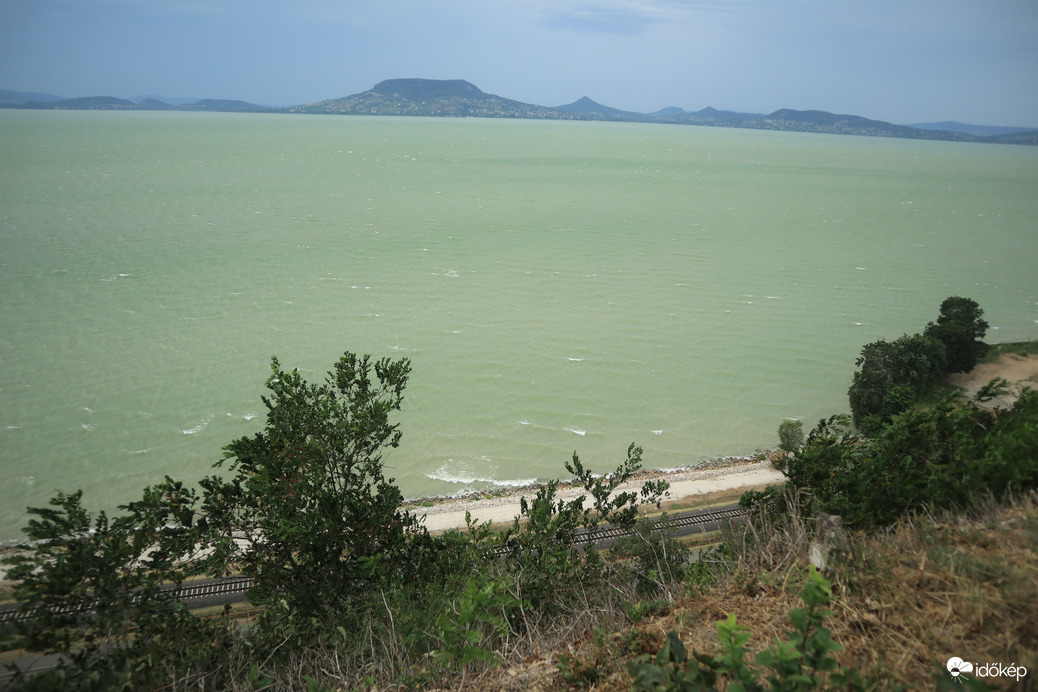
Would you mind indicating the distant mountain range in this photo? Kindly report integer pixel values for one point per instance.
(458, 98)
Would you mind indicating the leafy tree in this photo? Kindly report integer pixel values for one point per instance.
(961, 328)
(791, 435)
(934, 457)
(891, 376)
(100, 592)
(309, 513)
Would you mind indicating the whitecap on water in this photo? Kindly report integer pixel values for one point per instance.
(246, 415)
(198, 428)
(576, 431)
(458, 474)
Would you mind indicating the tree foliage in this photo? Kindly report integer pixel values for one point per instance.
(891, 376)
(308, 512)
(935, 457)
(961, 328)
(791, 435)
(102, 591)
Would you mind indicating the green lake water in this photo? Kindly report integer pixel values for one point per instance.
(557, 286)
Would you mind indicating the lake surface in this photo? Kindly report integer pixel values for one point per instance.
(557, 286)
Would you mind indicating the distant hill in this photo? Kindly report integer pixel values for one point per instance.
(832, 123)
(458, 98)
(92, 103)
(110, 103)
(978, 130)
(429, 97)
(19, 97)
(706, 116)
(591, 110)
(168, 100)
(225, 105)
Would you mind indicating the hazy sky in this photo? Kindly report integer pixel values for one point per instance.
(903, 61)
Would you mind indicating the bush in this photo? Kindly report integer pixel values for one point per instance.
(925, 458)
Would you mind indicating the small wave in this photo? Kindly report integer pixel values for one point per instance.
(576, 431)
(471, 480)
(461, 473)
(657, 432)
(198, 428)
(247, 415)
(575, 360)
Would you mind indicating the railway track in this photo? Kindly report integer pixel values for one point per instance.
(231, 589)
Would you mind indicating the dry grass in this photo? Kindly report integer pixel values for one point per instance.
(904, 602)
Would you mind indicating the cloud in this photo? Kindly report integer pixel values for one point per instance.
(597, 21)
(620, 17)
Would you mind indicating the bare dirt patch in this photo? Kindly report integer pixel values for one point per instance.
(1018, 370)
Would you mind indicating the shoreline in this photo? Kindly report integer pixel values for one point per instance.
(724, 473)
(713, 475)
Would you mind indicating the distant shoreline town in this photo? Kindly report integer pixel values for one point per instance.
(459, 98)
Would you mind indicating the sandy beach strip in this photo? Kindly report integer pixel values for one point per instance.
(729, 473)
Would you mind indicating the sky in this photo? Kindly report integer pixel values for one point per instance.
(902, 61)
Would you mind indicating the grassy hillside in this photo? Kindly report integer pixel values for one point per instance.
(904, 602)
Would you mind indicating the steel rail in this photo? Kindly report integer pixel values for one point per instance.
(239, 585)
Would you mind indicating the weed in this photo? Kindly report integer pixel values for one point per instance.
(803, 662)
